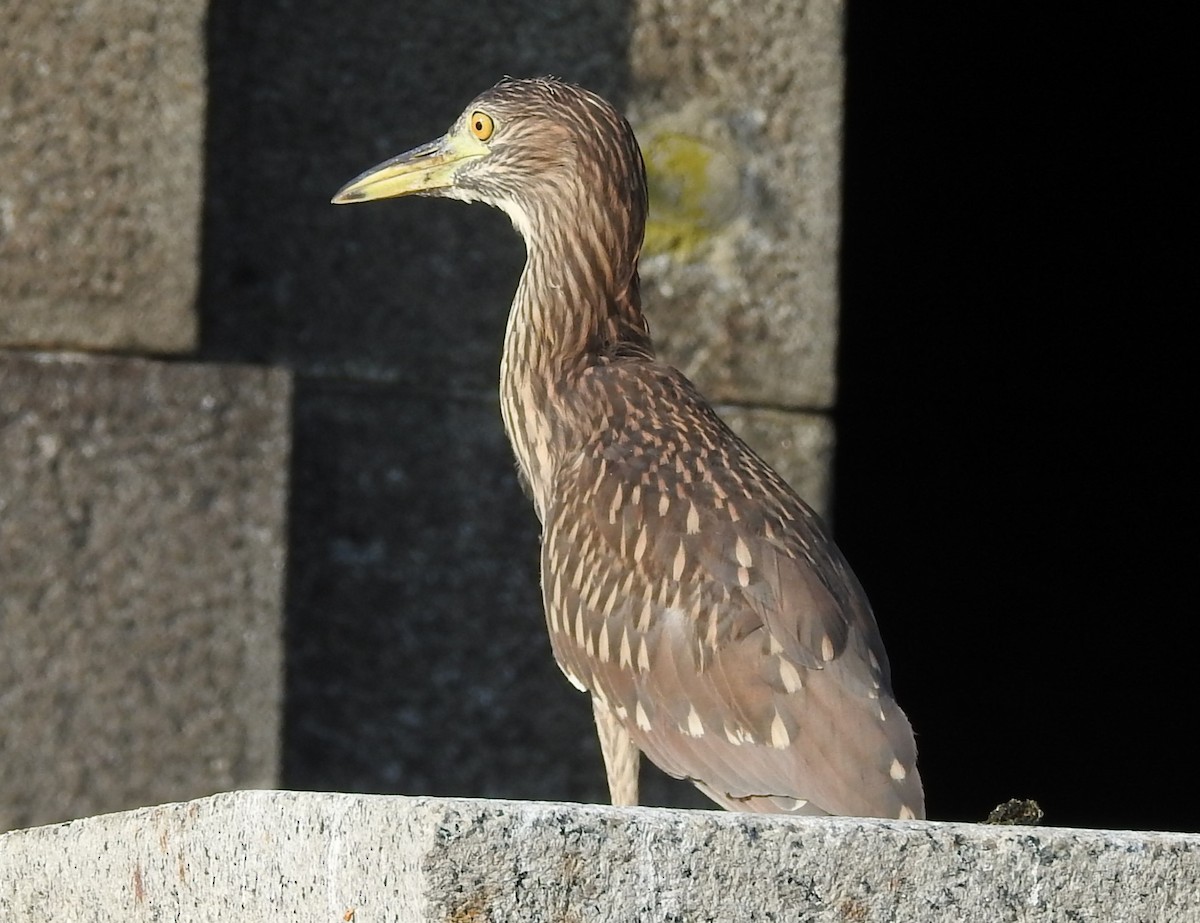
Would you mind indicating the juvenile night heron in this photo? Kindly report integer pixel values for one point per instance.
(687, 588)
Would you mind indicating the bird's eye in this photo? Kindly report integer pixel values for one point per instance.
(482, 125)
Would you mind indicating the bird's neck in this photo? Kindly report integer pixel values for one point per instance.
(576, 305)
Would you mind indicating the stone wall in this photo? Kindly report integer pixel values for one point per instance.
(164, 186)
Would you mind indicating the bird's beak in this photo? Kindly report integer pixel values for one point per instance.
(422, 170)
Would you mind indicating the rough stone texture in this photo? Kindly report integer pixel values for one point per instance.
(141, 577)
(747, 305)
(301, 856)
(413, 555)
(100, 173)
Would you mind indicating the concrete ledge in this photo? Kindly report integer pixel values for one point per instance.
(304, 856)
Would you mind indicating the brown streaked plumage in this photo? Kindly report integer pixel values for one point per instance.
(696, 597)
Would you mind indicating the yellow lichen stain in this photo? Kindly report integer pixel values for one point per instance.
(691, 187)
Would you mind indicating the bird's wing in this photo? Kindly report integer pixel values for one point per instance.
(690, 589)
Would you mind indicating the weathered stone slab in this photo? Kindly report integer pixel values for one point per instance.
(303, 856)
(101, 153)
(141, 574)
(739, 112)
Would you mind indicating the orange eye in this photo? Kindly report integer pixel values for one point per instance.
(482, 125)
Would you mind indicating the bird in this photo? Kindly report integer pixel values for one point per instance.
(688, 589)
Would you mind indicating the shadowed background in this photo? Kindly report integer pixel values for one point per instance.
(1016, 471)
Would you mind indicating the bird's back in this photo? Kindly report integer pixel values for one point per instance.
(689, 588)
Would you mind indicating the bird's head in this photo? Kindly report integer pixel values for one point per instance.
(539, 149)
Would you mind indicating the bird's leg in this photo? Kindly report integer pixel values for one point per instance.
(621, 757)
